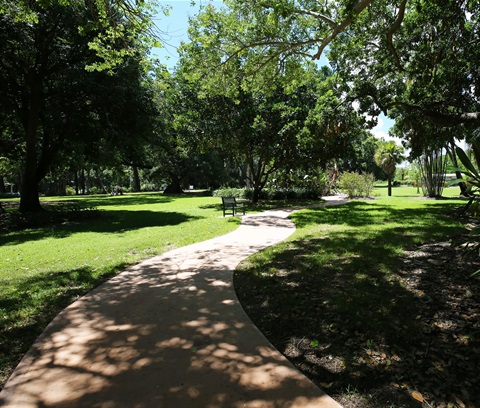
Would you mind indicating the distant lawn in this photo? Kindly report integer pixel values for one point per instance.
(381, 190)
(42, 270)
(369, 324)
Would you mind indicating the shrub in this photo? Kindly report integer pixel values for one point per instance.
(95, 190)
(357, 185)
(230, 192)
(70, 191)
(367, 184)
(271, 193)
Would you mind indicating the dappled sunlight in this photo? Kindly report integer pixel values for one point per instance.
(180, 339)
(346, 305)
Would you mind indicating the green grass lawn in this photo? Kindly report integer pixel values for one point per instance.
(350, 251)
(42, 270)
(337, 299)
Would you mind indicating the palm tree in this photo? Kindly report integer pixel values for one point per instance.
(387, 156)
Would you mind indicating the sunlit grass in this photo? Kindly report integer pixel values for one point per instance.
(125, 234)
(42, 270)
(408, 191)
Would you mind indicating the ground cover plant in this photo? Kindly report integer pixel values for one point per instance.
(374, 301)
(44, 268)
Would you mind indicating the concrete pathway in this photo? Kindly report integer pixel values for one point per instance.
(168, 332)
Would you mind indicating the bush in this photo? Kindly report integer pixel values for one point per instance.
(357, 185)
(70, 191)
(95, 190)
(368, 182)
(230, 192)
(292, 194)
(270, 193)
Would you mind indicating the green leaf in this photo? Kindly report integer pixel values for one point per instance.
(466, 162)
(456, 181)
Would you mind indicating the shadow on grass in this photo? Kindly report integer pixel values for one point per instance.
(361, 213)
(126, 200)
(107, 222)
(336, 306)
(33, 302)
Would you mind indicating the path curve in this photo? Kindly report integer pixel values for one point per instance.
(167, 332)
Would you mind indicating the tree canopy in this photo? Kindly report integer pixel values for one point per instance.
(403, 57)
(51, 103)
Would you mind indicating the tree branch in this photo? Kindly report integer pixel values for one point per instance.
(439, 118)
(318, 16)
(396, 25)
(284, 46)
(359, 7)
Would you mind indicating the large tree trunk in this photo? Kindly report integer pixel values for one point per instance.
(29, 201)
(255, 195)
(389, 185)
(3, 189)
(174, 187)
(136, 179)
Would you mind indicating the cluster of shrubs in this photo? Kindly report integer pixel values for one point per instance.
(356, 184)
(270, 194)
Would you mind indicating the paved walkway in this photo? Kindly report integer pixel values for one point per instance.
(168, 332)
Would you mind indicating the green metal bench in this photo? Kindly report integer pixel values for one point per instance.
(231, 206)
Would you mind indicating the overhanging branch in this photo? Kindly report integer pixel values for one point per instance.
(396, 25)
(359, 7)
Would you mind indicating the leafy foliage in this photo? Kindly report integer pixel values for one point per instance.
(357, 185)
(53, 106)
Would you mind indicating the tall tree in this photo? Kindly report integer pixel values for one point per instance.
(415, 57)
(49, 96)
(387, 156)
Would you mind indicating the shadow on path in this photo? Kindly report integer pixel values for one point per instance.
(168, 332)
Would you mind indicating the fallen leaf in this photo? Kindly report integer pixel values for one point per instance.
(416, 395)
(459, 402)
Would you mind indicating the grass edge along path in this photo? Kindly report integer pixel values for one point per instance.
(334, 299)
(43, 270)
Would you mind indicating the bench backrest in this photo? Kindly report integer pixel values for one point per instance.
(228, 200)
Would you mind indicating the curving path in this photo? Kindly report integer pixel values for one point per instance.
(168, 332)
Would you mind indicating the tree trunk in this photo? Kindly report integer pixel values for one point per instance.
(174, 187)
(3, 189)
(100, 180)
(82, 181)
(389, 186)
(29, 201)
(62, 184)
(88, 182)
(76, 183)
(136, 179)
(255, 195)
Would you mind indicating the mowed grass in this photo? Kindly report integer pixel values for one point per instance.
(360, 240)
(332, 294)
(43, 270)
